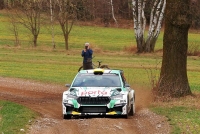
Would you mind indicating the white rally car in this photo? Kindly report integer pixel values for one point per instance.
(98, 92)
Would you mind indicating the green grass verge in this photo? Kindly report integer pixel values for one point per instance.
(183, 120)
(14, 118)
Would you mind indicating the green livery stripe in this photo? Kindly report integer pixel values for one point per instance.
(112, 103)
(75, 103)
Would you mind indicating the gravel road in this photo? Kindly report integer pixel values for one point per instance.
(46, 99)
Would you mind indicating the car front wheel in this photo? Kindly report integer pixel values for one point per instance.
(132, 111)
(66, 116)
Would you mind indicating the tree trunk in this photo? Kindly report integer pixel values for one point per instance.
(35, 40)
(1, 4)
(139, 23)
(66, 41)
(139, 19)
(173, 77)
(156, 18)
(140, 44)
(52, 24)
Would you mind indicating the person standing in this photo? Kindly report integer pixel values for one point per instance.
(87, 57)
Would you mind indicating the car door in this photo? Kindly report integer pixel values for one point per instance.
(127, 86)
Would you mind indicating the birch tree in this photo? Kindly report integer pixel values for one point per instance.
(157, 14)
(139, 23)
(66, 15)
(113, 13)
(52, 23)
(139, 19)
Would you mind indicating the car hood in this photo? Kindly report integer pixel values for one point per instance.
(94, 91)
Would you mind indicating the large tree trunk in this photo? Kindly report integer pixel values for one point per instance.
(173, 76)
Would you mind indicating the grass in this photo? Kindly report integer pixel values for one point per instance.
(59, 66)
(182, 119)
(14, 118)
(183, 114)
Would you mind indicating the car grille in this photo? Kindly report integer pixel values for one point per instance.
(93, 100)
(93, 109)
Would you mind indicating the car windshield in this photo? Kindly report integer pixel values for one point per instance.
(92, 80)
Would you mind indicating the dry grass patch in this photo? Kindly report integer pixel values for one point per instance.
(188, 101)
(130, 49)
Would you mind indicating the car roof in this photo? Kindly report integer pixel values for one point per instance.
(102, 71)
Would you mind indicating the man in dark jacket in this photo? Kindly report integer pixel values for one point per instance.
(87, 57)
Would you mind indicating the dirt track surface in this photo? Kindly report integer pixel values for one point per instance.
(46, 100)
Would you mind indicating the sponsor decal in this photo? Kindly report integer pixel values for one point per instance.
(98, 92)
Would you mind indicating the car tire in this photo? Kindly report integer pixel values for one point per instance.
(126, 116)
(67, 116)
(132, 111)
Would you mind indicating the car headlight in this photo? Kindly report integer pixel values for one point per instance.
(117, 97)
(65, 101)
(68, 97)
(71, 97)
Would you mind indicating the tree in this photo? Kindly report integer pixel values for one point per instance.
(1, 4)
(173, 79)
(32, 11)
(156, 17)
(139, 18)
(195, 6)
(66, 15)
(139, 23)
(14, 27)
(113, 14)
(52, 23)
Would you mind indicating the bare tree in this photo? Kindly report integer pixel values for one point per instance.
(66, 15)
(173, 77)
(139, 18)
(30, 17)
(14, 27)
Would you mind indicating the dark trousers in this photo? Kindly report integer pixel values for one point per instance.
(87, 66)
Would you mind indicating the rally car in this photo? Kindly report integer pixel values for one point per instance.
(98, 92)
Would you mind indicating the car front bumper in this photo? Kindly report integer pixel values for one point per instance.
(94, 110)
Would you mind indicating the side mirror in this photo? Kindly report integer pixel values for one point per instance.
(67, 85)
(127, 85)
